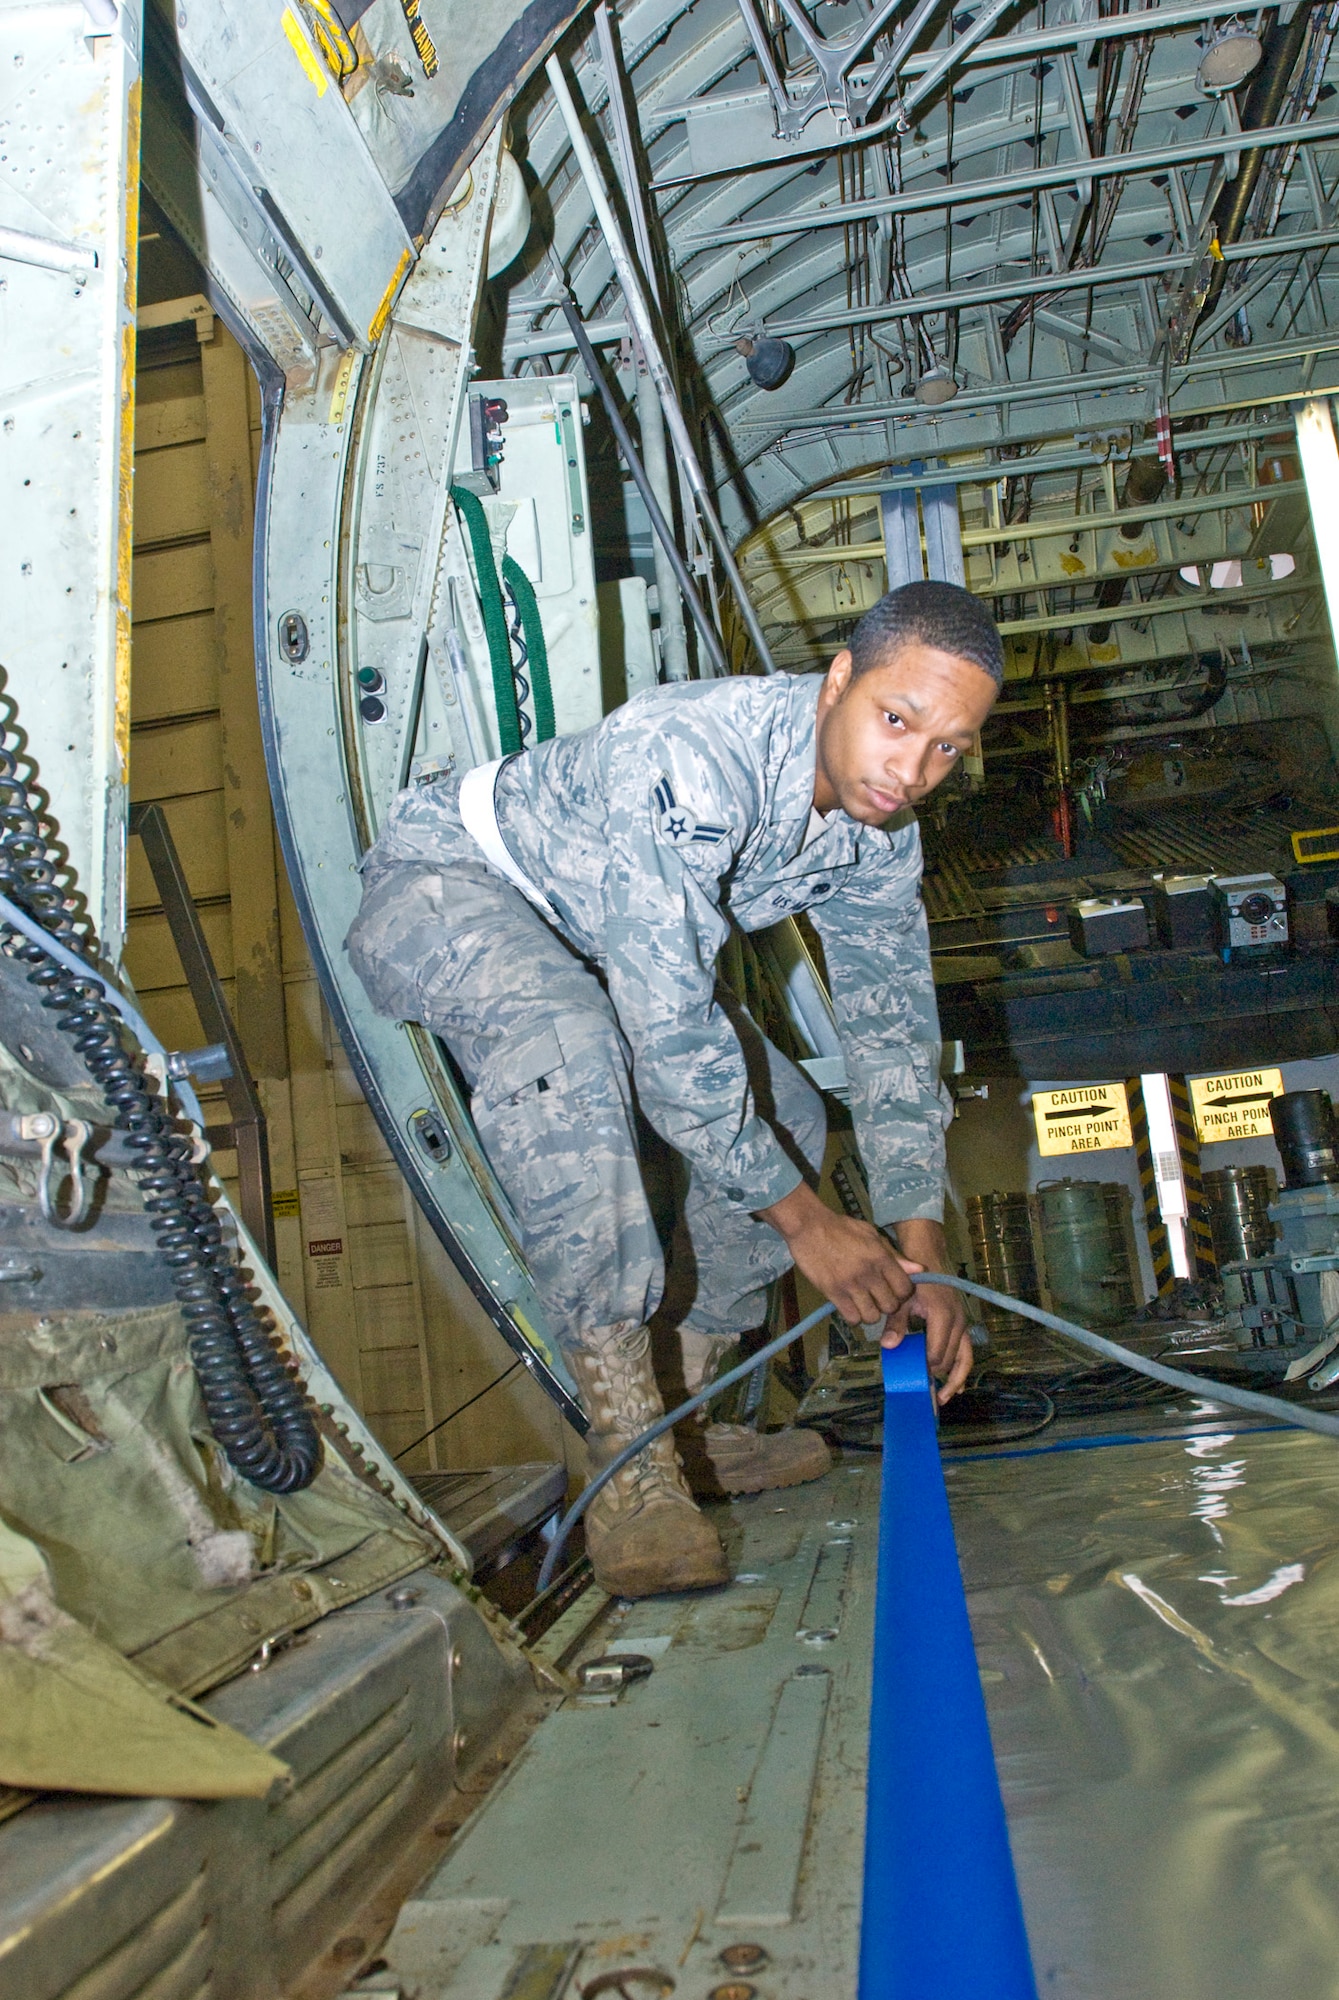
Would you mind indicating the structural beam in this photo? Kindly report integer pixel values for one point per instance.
(1220, 361)
(1151, 607)
(984, 471)
(635, 301)
(928, 304)
(1008, 186)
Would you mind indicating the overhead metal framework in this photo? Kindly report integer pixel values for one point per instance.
(1002, 246)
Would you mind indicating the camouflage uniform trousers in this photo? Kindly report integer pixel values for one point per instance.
(536, 1037)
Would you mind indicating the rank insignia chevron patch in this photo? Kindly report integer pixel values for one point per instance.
(677, 824)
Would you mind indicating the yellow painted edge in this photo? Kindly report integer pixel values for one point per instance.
(302, 49)
(1317, 833)
(339, 395)
(377, 325)
(125, 496)
(532, 1334)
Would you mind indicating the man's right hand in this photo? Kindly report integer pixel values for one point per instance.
(845, 1259)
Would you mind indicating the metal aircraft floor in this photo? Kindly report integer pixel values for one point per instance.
(718, 1802)
(1155, 1622)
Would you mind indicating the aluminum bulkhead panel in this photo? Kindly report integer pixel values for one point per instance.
(266, 84)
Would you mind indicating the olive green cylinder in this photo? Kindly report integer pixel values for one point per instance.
(1238, 1199)
(1085, 1241)
(999, 1228)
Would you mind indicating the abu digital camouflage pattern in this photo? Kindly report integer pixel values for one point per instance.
(687, 809)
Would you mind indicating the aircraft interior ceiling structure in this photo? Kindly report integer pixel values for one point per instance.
(466, 372)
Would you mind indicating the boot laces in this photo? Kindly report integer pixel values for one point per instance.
(622, 1365)
(645, 1480)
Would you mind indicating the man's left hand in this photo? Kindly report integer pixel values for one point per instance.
(948, 1344)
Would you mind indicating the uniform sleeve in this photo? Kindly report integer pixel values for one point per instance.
(877, 945)
(672, 838)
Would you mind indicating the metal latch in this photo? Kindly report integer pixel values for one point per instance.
(211, 1064)
(71, 1136)
(612, 1672)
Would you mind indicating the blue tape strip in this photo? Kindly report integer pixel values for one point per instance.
(942, 1918)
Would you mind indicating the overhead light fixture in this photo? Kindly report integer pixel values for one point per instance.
(937, 385)
(1319, 453)
(1231, 54)
(768, 360)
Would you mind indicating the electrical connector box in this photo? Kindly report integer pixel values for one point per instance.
(488, 416)
(1185, 913)
(1100, 925)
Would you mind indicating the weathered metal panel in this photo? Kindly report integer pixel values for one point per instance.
(373, 1710)
(289, 134)
(70, 105)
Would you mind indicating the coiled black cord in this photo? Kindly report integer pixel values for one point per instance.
(256, 1407)
(520, 662)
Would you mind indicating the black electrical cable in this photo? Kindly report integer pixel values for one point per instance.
(1100, 1391)
(1215, 686)
(994, 1411)
(256, 1408)
(989, 1410)
(459, 1410)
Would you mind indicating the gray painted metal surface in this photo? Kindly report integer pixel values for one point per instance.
(70, 109)
(375, 1710)
(716, 1803)
(759, 242)
(1153, 1628)
(258, 79)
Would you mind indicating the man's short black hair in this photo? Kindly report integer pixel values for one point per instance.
(943, 615)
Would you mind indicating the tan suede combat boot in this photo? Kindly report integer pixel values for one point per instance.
(643, 1533)
(731, 1458)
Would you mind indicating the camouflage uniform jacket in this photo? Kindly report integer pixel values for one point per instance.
(688, 809)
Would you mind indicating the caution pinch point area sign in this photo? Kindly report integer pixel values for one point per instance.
(1087, 1118)
(1235, 1106)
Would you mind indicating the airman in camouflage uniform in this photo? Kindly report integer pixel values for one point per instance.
(691, 808)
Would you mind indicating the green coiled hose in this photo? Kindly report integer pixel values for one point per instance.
(510, 739)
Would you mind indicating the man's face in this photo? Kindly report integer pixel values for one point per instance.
(887, 737)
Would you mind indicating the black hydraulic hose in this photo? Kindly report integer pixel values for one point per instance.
(665, 534)
(1215, 686)
(1264, 101)
(1110, 1350)
(256, 1408)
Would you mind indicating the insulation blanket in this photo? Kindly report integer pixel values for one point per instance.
(1157, 1627)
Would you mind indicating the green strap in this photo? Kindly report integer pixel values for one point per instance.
(537, 652)
(495, 621)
